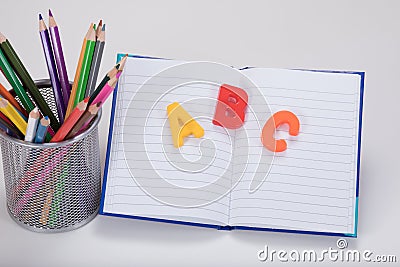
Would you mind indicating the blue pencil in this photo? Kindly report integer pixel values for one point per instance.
(7, 130)
(42, 130)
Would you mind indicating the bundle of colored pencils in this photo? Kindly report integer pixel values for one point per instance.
(26, 114)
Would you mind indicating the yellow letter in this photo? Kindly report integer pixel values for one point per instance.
(182, 124)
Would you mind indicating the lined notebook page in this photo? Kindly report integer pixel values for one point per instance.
(311, 186)
(123, 194)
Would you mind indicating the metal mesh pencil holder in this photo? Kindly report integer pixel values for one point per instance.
(52, 187)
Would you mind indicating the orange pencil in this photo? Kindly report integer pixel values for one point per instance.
(70, 121)
(77, 74)
(6, 94)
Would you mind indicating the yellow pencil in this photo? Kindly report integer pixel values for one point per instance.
(7, 109)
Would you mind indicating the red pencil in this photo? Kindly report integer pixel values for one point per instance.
(7, 95)
(5, 118)
(70, 121)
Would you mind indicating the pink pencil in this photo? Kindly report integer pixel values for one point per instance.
(106, 91)
(50, 131)
(38, 181)
(102, 97)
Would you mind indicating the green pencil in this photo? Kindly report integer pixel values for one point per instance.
(27, 81)
(15, 83)
(57, 197)
(85, 70)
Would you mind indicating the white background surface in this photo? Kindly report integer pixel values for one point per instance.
(335, 35)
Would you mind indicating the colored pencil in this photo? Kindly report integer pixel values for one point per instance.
(99, 29)
(4, 128)
(71, 101)
(123, 62)
(7, 95)
(33, 120)
(7, 109)
(39, 180)
(46, 207)
(59, 56)
(86, 63)
(70, 121)
(118, 74)
(54, 195)
(19, 112)
(5, 118)
(51, 67)
(58, 194)
(15, 83)
(106, 91)
(10, 128)
(103, 82)
(102, 96)
(106, 78)
(27, 81)
(39, 161)
(42, 129)
(86, 118)
(95, 66)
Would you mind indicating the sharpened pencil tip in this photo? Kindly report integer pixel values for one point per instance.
(40, 16)
(50, 14)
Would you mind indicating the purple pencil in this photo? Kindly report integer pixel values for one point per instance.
(60, 61)
(51, 66)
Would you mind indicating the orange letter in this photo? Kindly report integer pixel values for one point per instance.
(231, 107)
(182, 124)
(279, 118)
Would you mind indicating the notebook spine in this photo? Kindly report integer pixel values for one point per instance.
(225, 227)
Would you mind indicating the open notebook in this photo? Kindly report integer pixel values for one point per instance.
(312, 187)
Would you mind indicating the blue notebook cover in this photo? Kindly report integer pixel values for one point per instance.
(225, 227)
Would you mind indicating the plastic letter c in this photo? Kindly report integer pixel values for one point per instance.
(279, 118)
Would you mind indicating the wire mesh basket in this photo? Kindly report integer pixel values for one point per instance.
(52, 187)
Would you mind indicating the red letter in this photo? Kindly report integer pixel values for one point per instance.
(231, 107)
